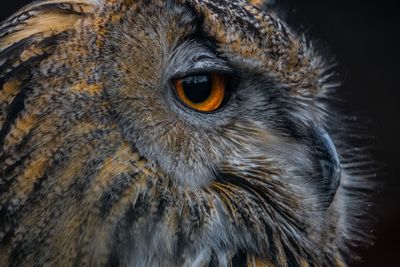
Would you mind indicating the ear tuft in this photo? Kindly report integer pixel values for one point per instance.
(263, 4)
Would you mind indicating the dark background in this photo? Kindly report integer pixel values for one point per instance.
(365, 38)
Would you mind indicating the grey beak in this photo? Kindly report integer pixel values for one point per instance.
(328, 164)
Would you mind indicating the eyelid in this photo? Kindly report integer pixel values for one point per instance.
(200, 62)
(227, 71)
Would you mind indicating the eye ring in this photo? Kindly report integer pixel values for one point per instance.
(202, 92)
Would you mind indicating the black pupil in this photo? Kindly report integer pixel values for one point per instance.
(197, 88)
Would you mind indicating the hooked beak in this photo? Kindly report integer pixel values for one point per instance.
(328, 163)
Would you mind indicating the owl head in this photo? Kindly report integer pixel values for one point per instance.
(170, 133)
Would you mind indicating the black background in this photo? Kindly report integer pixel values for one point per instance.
(365, 38)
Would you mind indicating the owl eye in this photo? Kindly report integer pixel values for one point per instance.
(202, 92)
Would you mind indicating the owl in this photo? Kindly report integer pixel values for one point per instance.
(172, 133)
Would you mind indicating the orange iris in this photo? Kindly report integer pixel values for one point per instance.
(203, 93)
